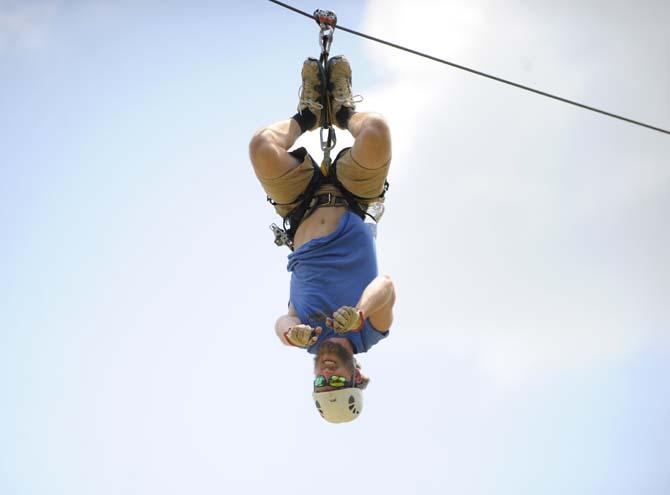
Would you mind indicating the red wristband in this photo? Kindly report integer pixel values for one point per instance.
(289, 340)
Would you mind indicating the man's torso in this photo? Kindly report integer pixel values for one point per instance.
(322, 222)
(332, 270)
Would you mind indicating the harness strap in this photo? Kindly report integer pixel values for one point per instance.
(325, 200)
(354, 200)
(308, 201)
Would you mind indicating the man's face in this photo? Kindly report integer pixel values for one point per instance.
(331, 359)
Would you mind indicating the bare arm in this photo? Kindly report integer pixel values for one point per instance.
(292, 332)
(285, 322)
(377, 302)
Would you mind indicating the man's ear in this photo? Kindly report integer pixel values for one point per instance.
(360, 379)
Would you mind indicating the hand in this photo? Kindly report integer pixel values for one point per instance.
(302, 335)
(346, 319)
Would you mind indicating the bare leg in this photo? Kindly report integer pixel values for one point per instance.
(269, 147)
(372, 145)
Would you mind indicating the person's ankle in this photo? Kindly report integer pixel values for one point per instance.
(305, 119)
(343, 117)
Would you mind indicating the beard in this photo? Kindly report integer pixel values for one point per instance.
(343, 355)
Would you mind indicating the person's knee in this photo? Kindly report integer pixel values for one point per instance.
(376, 130)
(261, 148)
(372, 148)
(376, 123)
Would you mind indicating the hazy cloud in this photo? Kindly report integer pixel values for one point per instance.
(535, 225)
(25, 25)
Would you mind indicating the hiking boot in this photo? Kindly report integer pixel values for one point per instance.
(310, 92)
(342, 100)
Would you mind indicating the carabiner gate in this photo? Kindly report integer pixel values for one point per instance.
(330, 141)
(326, 146)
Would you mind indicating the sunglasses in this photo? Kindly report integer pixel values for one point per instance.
(334, 381)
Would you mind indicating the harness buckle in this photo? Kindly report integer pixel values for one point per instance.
(329, 196)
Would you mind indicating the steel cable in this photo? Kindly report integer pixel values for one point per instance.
(479, 73)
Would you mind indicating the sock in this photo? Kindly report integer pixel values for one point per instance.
(305, 119)
(343, 116)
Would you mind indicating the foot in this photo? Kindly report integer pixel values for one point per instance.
(310, 93)
(342, 100)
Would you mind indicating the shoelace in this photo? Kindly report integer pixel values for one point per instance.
(343, 94)
(349, 100)
(309, 102)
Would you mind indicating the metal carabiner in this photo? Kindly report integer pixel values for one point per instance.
(326, 146)
(330, 141)
(327, 20)
(325, 40)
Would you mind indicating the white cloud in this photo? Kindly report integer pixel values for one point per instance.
(25, 25)
(534, 223)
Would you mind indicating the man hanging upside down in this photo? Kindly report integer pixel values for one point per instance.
(338, 306)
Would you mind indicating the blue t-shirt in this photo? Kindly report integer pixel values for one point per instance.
(332, 271)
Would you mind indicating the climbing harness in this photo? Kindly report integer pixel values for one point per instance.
(308, 201)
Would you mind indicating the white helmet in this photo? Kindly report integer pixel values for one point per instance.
(339, 406)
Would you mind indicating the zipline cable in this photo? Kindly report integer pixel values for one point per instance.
(479, 73)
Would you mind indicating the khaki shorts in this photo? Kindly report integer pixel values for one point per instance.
(361, 181)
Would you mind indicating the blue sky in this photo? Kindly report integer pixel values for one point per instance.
(528, 242)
